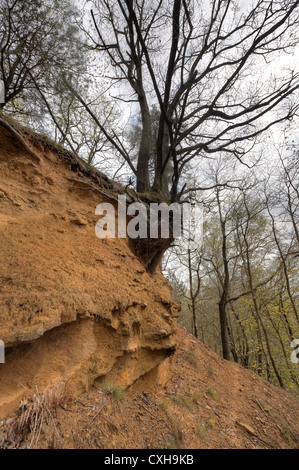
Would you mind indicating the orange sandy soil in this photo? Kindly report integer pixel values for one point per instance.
(73, 308)
(195, 399)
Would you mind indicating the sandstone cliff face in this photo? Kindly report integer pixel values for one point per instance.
(72, 306)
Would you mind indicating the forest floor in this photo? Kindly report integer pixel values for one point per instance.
(195, 399)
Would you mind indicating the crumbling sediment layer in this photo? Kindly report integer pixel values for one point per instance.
(72, 306)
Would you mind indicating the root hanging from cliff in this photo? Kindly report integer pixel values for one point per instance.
(151, 251)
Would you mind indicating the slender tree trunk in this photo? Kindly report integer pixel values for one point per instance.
(245, 347)
(286, 356)
(285, 268)
(232, 341)
(143, 183)
(260, 320)
(161, 183)
(193, 299)
(225, 288)
(223, 329)
(285, 317)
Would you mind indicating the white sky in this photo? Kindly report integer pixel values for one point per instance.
(275, 135)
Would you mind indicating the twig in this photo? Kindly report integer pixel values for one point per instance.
(255, 400)
(103, 406)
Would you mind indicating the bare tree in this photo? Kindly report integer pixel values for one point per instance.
(203, 68)
(37, 39)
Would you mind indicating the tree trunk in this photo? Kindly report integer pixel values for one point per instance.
(225, 288)
(224, 336)
(193, 297)
(161, 182)
(143, 183)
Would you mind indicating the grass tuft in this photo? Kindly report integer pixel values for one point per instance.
(211, 423)
(117, 391)
(192, 358)
(163, 405)
(212, 393)
(202, 432)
